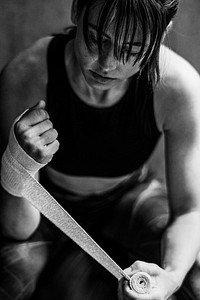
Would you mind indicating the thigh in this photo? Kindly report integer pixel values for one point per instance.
(73, 274)
(22, 263)
(138, 221)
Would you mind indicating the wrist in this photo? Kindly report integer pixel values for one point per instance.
(176, 278)
(15, 163)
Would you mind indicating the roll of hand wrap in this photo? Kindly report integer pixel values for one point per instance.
(141, 283)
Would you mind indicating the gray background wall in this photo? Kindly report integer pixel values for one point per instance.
(24, 21)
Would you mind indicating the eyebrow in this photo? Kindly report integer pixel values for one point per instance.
(136, 44)
(96, 29)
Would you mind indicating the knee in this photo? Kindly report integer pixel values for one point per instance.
(26, 257)
(153, 211)
(153, 220)
(158, 224)
(14, 229)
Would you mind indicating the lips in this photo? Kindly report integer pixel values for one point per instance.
(100, 77)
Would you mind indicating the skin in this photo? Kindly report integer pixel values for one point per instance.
(177, 113)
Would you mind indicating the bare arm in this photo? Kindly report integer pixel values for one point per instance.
(22, 84)
(181, 242)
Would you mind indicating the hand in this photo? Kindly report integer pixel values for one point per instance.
(164, 283)
(36, 135)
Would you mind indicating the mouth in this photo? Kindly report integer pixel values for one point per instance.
(101, 78)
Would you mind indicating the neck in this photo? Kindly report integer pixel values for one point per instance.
(88, 94)
(100, 97)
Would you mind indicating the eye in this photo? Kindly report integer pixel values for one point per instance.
(92, 37)
(133, 54)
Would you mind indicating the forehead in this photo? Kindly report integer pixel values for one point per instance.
(96, 12)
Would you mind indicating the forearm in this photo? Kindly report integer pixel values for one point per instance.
(181, 244)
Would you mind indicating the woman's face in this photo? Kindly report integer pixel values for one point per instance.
(103, 71)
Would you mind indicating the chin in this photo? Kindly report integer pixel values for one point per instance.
(99, 85)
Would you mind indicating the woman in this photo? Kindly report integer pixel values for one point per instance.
(111, 91)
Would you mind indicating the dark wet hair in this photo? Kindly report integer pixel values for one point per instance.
(151, 16)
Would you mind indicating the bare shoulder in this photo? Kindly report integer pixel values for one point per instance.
(177, 95)
(26, 74)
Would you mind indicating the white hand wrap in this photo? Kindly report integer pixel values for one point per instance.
(14, 161)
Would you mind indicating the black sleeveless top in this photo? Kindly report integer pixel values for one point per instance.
(102, 142)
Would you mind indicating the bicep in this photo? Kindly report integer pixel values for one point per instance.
(182, 153)
(19, 89)
(182, 173)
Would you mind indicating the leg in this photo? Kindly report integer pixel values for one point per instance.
(21, 265)
(75, 275)
(138, 222)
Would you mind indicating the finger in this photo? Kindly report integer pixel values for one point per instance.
(40, 104)
(129, 271)
(131, 294)
(120, 291)
(39, 129)
(34, 115)
(49, 136)
(52, 148)
(44, 153)
(150, 268)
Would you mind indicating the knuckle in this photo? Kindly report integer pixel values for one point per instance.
(40, 153)
(27, 139)
(19, 127)
(29, 148)
(137, 264)
(27, 136)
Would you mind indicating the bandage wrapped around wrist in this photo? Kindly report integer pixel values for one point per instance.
(15, 161)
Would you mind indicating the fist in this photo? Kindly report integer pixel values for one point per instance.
(35, 133)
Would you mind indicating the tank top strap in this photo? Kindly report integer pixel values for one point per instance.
(56, 71)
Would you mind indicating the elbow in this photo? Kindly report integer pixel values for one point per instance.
(13, 230)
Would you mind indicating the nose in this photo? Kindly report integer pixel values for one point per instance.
(107, 61)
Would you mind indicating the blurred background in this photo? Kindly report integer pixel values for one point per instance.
(24, 21)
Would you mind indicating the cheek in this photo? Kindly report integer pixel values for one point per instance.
(85, 59)
(129, 70)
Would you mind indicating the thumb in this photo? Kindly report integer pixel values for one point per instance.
(40, 104)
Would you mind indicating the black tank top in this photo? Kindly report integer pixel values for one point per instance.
(102, 142)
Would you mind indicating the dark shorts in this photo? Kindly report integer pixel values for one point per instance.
(127, 222)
